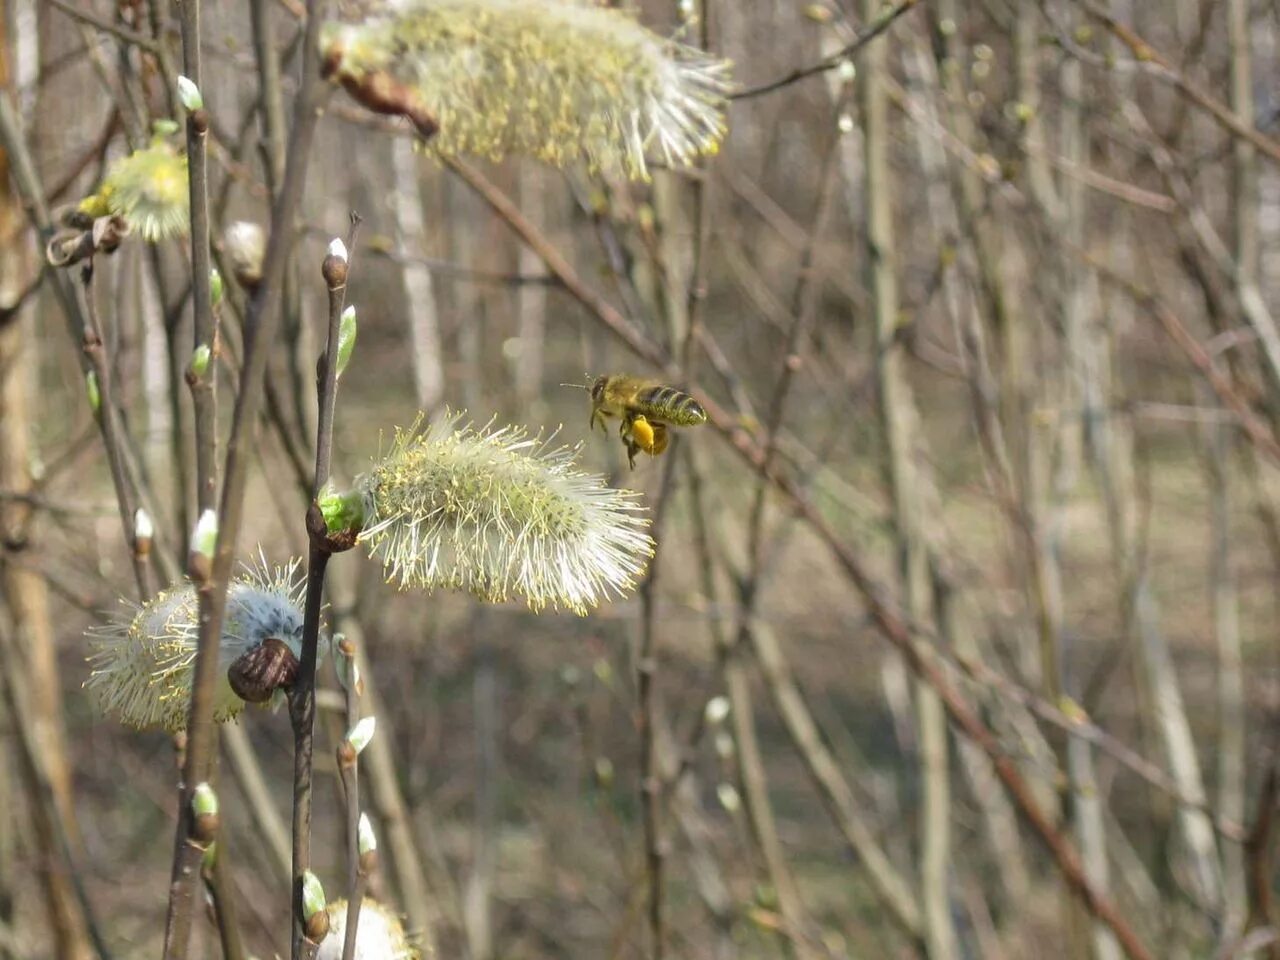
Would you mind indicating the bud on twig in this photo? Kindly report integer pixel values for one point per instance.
(199, 361)
(346, 337)
(189, 94)
(143, 531)
(245, 246)
(215, 287)
(729, 797)
(367, 845)
(94, 394)
(315, 919)
(345, 663)
(334, 267)
(717, 709)
(204, 539)
(358, 737)
(204, 808)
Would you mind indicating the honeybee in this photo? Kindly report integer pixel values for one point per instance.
(646, 408)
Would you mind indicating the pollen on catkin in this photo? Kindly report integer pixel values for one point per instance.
(149, 189)
(379, 934)
(144, 657)
(564, 81)
(500, 514)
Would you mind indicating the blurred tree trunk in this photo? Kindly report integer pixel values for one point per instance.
(421, 315)
(531, 307)
(1231, 713)
(478, 896)
(1082, 423)
(23, 589)
(899, 421)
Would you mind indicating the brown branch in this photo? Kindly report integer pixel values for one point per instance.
(216, 873)
(262, 320)
(1158, 66)
(1255, 428)
(1078, 724)
(203, 386)
(111, 426)
(302, 696)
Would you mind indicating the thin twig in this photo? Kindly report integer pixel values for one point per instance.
(1254, 427)
(262, 320)
(216, 873)
(112, 429)
(844, 55)
(1158, 66)
(302, 701)
(646, 695)
(203, 384)
(1079, 725)
(349, 771)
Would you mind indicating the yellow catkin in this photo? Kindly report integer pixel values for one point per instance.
(149, 189)
(565, 81)
(501, 514)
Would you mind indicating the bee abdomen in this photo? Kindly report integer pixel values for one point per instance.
(674, 406)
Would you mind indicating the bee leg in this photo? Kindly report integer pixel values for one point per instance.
(632, 449)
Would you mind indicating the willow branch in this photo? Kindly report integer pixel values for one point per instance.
(203, 383)
(1158, 66)
(262, 320)
(349, 771)
(883, 23)
(302, 698)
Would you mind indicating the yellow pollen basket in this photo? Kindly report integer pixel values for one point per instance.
(642, 434)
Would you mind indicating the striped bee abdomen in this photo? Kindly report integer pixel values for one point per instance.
(672, 405)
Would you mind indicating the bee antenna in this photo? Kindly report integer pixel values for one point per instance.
(580, 386)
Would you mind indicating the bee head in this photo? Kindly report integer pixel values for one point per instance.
(597, 389)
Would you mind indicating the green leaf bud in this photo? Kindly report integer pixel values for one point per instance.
(346, 337)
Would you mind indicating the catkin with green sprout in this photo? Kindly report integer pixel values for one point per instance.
(379, 934)
(143, 660)
(497, 513)
(565, 81)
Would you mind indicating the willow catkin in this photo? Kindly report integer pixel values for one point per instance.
(149, 189)
(144, 657)
(497, 513)
(565, 81)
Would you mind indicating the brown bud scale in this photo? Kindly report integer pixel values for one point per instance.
(256, 674)
(317, 926)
